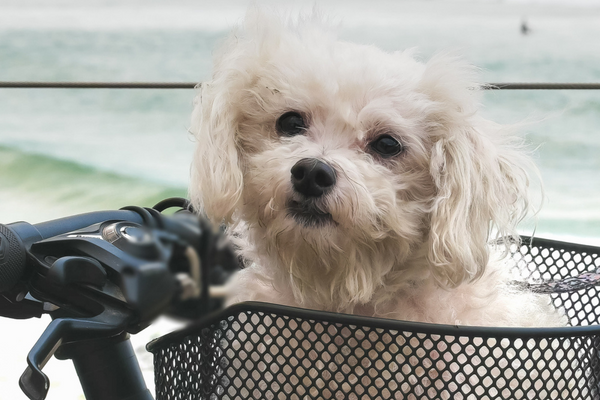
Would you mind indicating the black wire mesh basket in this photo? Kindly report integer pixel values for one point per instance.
(265, 351)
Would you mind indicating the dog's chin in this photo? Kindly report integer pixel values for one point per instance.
(308, 215)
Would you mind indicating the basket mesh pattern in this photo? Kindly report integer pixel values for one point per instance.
(254, 351)
(562, 269)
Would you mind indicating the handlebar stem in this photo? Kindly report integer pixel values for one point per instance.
(107, 368)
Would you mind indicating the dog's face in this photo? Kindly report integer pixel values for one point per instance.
(351, 167)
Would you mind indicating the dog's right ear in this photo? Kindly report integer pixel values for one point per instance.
(480, 171)
(216, 177)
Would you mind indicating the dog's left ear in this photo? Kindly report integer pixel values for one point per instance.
(480, 174)
(216, 177)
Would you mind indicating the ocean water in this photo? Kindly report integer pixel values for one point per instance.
(65, 151)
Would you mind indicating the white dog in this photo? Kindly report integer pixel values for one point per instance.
(360, 181)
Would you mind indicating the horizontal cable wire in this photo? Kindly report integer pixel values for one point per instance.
(100, 85)
(543, 86)
(191, 85)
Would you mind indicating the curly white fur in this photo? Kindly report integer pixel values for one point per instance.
(410, 233)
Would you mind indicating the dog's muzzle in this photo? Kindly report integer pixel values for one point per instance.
(307, 214)
(312, 177)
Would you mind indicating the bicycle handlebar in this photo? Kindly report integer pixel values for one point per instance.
(102, 275)
(12, 258)
(17, 237)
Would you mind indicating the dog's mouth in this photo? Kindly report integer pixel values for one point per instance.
(308, 214)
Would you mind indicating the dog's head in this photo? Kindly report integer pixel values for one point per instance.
(350, 167)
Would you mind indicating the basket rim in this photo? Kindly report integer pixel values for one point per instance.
(374, 323)
(394, 324)
(551, 243)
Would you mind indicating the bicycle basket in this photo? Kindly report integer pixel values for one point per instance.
(264, 351)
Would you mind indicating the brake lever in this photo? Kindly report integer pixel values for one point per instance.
(33, 381)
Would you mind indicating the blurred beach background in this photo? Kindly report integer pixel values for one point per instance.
(66, 151)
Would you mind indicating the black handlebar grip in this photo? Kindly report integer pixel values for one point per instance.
(12, 259)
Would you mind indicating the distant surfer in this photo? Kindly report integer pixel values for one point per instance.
(525, 30)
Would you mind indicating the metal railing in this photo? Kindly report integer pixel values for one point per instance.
(191, 85)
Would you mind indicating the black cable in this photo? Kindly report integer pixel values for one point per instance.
(145, 214)
(179, 202)
(157, 218)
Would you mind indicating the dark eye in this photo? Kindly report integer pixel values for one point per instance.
(290, 124)
(386, 146)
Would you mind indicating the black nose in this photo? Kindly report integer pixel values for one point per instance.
(312, 177)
